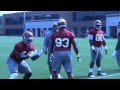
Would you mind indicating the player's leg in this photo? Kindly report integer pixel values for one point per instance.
(13, 68)
(49, 65)
(50, 68)
(67, 64)
(118, 57)
(56, 64)
(58, 73)
(25, 69)
(93, 59)
(98, 62)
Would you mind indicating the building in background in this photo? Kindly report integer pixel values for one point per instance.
(79, 21)
(1, 26)
(111, 25)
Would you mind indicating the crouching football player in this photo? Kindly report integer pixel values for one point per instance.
(22, 51)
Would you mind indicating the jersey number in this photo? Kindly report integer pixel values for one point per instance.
(98, 37)
(59, 42)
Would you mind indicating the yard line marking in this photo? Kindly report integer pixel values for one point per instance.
(116, 74)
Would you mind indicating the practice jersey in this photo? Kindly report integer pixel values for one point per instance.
(21, 48)
(98, 37)
(62, 40)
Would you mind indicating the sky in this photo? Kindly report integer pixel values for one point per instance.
(8, 12)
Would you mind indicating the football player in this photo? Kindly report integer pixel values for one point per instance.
(116, 53)
(22, 51)
(61, 45)
(96, 41)
(47, 43)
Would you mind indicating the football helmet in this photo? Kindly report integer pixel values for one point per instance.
(97, 24)
(62, 23)
(28, 37)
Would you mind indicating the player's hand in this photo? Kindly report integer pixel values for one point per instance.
(94, 52)
(78, 58)
(33, 53)
(51, 57)
(114, 54)
(45, 51)
(106, 52)
(40, 52)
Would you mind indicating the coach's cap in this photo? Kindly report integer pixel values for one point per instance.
(55, 24)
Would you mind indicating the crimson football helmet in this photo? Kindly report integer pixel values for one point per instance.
(28, 37)
(62, 23)
(97, 24)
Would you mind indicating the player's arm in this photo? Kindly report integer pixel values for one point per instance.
(105, 46)
(34, 56)
(90, 37)
(51, 51)
(118, 44)
(116, 48)
(75, 47)
(46, 41)
(51, 47)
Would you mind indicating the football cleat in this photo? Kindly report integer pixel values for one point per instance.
(101, 73)
(50, 76)
(59, 76)
(90, 75)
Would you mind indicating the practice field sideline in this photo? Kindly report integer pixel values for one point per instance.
(40, 68)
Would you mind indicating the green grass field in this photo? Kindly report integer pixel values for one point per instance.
(40, 68)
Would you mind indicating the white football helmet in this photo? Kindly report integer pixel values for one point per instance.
(97, 24)
(62, 23)
(28, 37)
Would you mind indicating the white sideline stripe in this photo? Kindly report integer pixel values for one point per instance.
(105, 76)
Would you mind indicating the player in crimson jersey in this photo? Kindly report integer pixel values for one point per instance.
(116, 53)
(61, 45)
(97, 41)
(22, 51)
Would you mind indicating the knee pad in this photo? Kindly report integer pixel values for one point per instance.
(13, 76)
